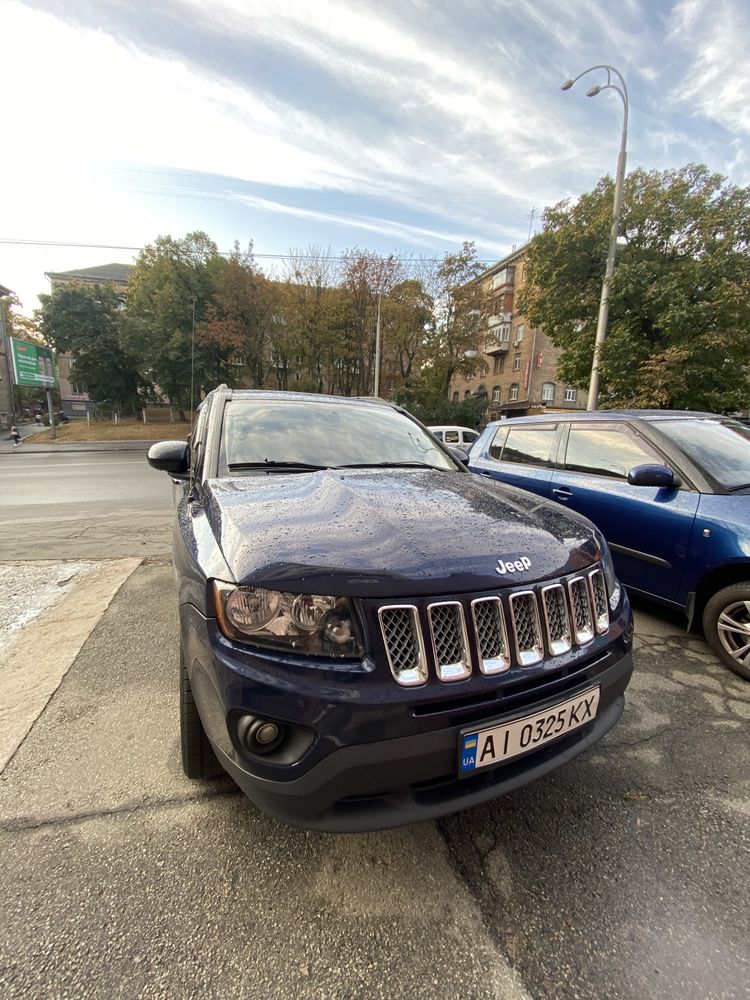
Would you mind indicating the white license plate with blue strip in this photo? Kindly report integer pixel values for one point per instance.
(495, 745)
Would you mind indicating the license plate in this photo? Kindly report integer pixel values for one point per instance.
(484, 747)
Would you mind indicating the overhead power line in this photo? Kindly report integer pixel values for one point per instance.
(223, 253)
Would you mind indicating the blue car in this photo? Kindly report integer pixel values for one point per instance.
(370, 635)
(670, 490)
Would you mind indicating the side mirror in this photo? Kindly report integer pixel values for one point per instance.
(460, 455)
(660, 476)
(172, 457)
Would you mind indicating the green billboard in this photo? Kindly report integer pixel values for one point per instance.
(33, 364)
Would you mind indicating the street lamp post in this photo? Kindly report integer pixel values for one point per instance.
(601, 325)
(376, 390)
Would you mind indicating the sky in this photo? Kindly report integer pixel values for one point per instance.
(402, 126)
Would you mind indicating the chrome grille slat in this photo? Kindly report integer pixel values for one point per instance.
(599, 600)
(556, 619)
(491, 634)
(404, 647)
(449, 640)
(527, 632)
(583, 623)
(520, 628)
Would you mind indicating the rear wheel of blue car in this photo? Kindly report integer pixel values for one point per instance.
(198, 759)
(726, 625)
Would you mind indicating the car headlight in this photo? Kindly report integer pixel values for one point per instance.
(613, 584)
(299, 623)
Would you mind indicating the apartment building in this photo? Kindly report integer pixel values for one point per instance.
(73, 400)
(516, 369)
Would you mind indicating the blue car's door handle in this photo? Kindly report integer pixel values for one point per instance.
(562, 493)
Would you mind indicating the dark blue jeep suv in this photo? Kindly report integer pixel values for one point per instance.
(670, 490)
(370, 635)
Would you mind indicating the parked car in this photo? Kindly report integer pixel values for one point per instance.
(456, 437)
(369, 635)
(669, 490)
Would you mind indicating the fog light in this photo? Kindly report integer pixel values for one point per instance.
(260, 736)
(266, 733)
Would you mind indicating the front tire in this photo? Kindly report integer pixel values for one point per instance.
(726, 625)
(198, 758)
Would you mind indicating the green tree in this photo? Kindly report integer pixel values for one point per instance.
(240, 319)
(424, 396)
(172, 284)
(85, 322)
(459, 305)
(680, 298)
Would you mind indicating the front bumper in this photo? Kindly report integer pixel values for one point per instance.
(361, 773)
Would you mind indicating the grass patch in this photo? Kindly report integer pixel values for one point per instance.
(126, 430)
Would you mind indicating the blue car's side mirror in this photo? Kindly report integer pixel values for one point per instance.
(660, 476)
(460, 455)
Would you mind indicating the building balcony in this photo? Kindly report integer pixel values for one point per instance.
(493, 346)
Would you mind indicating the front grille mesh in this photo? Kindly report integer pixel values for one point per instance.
(549, 620)
(582, 620)
(400, 627)
(556, 617)
(492, 640)
(599, 595)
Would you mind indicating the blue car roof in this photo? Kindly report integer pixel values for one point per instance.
(545, 418)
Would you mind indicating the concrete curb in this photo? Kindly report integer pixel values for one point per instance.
(72, 446)
(33, 666)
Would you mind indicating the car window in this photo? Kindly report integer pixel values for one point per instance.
(530, 445)
(607, 450)
(721, 448)
(438, 435)
(451, 437)
(470, 437)
(496, 448)
(263, 433)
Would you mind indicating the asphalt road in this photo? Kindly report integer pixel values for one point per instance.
(82, 505)
(625, 874)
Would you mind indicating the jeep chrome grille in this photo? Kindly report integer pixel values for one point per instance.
(599, 596)
(519, 626)
(449, 641)
(403, 644)
(524, 617)
(492, 638)
(556, 619)
(582, 620)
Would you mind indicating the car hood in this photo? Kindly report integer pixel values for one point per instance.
(391, 532)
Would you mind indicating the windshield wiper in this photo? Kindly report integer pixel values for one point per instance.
(735, 489)
(391, 465)
(269, 464)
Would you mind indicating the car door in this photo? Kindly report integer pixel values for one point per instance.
(522, 455)
(648, 528)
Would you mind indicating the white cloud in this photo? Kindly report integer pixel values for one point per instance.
(716, 82)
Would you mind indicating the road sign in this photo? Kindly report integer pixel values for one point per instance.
(33, 364)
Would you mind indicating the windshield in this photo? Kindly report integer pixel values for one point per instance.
(296, 433)
(720, 448)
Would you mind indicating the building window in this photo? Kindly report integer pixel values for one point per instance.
(470, 376)
(516, 362)
(548, 392)
(496, 394)
(498, 364)
(571, 395)
(483, 371)
(513, 392)
(456, 397)
(482, 391)
(520, 331)
(467, 394)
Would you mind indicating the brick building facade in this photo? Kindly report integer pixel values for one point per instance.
(516, 368)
